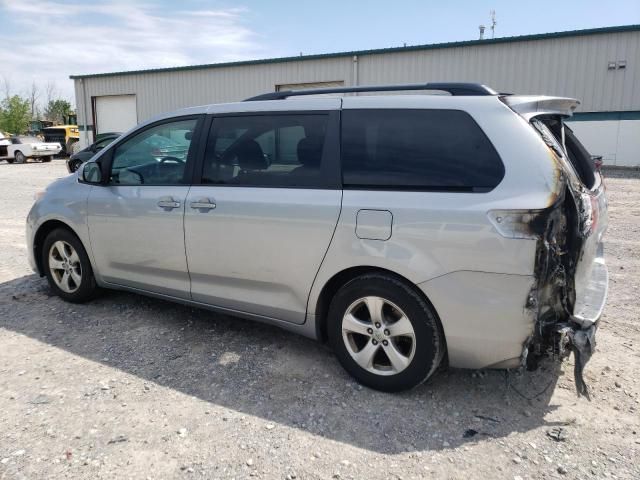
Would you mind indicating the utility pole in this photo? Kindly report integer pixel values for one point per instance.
(493, 23)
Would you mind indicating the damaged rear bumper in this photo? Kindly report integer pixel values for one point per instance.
(591, 295)
(582, 342)
(577, 333)
(579, 336)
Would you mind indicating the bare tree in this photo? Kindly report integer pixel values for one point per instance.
(51, 91)
(34, 95)
(6, 87)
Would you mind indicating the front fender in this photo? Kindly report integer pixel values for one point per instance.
(65, 201)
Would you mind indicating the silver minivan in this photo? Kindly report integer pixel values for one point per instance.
(408, 231)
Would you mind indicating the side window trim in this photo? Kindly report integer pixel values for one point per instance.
(110, 149)
(330, 156)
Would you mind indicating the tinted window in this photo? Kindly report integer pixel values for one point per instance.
(155, 156)
(267, 150)
(417, 149)
(100, 144)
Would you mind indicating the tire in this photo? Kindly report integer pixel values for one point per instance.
(408, 324)
(46, 159)
(80, 284)
(10, 160)
(19, 157)
(74, 165)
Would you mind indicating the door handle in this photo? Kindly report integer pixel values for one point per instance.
(203, 204)
(168, 203)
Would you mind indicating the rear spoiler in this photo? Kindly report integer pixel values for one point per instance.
(532, 106)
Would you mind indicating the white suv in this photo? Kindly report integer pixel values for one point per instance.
(403, 229)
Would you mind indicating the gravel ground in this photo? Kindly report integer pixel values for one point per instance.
(132, 387)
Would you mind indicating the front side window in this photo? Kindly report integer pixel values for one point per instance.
(155, 156)
(417, 150)
(267, 151)
(100, 144)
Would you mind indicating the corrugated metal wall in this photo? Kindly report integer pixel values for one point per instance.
(569, 66)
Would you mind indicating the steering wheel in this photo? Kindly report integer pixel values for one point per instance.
(172, 160)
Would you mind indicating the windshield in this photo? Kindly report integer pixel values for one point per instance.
(28, 140)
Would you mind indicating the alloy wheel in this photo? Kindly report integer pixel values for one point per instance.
(378, 335)
(65, 267)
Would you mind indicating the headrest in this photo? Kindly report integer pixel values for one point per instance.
(310, 152)
(250, 156)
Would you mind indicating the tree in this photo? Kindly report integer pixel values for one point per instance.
(51, 91)
(14, 114)
(57, 110)
(6, 87)
(34, 95)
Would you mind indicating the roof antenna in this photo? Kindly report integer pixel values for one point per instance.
(493, 23)
(481, 27)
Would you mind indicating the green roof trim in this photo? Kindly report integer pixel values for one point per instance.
(600, 116)
(410, 48)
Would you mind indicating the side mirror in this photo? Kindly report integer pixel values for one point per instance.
(91, 173)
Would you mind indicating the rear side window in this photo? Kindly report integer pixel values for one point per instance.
(417, 150)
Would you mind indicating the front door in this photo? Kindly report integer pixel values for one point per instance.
(136, 220)
(258, 225)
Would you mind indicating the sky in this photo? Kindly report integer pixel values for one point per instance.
(45, 41)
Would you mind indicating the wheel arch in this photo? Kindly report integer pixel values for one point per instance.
(341, 278)
(41, 234)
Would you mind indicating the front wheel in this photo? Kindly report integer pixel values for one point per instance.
(67, 267)
(74, 165)
(384, 333)
(20, 158)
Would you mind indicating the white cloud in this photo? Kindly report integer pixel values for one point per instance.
(49, 40)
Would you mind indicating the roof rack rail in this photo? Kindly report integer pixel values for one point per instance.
(454, 88)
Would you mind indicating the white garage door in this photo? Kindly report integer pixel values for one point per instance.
(115, 113)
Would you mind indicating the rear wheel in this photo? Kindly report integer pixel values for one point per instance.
(46, 159)
(384, 333)
(19, 157)
(67, 267)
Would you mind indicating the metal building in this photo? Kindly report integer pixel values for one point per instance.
(601, 67)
